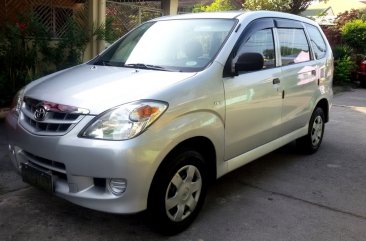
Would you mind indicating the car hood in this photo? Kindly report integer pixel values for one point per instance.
(98, 88)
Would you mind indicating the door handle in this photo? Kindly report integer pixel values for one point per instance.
(276, 81)
(313, 72)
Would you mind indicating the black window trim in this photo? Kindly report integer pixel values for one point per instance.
(273, 23)
(288, 23)
(255, 25)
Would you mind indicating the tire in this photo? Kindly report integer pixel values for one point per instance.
(310, 143)
(363, 82)
(178, 192)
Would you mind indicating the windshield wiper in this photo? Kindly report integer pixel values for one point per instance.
(102, 62)
(147, 66)
(107, 63)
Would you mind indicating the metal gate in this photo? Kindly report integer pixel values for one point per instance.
(52, 14)
(126, 15)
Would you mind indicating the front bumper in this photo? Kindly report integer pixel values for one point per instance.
(82, 167)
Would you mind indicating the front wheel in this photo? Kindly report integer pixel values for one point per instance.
(178, 192)
(311, 142)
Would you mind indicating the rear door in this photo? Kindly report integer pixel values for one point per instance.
(300, 73)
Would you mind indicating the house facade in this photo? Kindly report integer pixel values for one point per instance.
(325, 12)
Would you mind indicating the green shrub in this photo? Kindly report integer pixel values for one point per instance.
(341, 51)
(343, 69)
(107, 31)
(20, 45)
(354, 34)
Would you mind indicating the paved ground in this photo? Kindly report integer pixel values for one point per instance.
(282, 196)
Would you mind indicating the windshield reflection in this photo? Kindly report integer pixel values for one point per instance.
(187, 45)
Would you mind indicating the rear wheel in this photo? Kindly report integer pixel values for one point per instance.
(178, 192)
(311, 142)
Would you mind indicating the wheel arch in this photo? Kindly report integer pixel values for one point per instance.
(202, 145)
(324, 104)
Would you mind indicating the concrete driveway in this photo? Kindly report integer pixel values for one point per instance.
(282, 196)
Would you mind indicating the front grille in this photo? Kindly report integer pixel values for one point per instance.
(54, 122)
(49, 164)
(56, 168)
(46, 127)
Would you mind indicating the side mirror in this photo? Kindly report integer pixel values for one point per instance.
(249, 62)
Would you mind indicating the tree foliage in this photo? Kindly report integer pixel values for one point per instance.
(216, 6)
(348, 16)
(298, 6)
(274, 5)
(290, 6)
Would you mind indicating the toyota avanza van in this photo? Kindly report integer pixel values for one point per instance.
(174, 104)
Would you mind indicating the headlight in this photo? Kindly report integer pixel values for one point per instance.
(125, 121)
(17, 102)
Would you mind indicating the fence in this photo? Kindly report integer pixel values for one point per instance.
(127, 15)
(52, 14)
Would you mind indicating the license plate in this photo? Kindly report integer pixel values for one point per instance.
(37, 177)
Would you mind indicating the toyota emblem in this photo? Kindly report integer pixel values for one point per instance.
(40, 113)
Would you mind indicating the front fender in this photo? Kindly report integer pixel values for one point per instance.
(202, 123)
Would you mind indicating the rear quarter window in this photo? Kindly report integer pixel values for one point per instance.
(317, 42)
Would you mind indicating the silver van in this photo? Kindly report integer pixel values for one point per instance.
(176, 103)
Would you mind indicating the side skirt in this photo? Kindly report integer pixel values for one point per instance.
(249, 156)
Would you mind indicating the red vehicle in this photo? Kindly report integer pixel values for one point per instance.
(363, 66)
(361, 73)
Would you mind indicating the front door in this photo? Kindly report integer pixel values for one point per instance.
(253, 99)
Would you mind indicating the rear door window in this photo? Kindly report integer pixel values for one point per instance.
(294, 46)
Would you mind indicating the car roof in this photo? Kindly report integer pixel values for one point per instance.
(235, 15)
(223, 15)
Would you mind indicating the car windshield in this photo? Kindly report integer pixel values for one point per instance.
(176, 45)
